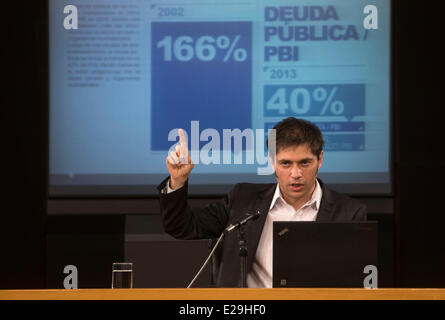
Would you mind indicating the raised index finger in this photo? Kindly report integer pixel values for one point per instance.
(183, 150)
(182, 141)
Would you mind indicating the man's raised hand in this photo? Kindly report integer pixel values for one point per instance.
(179, 163)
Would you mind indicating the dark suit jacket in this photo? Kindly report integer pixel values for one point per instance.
(183, 222)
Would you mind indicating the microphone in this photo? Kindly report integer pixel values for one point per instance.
(239, 223)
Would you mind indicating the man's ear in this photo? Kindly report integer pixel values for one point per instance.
(320, 160)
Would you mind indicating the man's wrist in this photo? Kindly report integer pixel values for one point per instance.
(174, 185)
(167, 189)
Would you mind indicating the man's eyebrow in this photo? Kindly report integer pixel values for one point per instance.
(302, 160)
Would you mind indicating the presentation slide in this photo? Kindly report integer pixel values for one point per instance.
(125, 75)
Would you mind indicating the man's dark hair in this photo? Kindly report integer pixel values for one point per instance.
(293, 132)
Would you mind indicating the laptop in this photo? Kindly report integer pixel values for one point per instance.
(323, 254)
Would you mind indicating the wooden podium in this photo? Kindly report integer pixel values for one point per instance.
(225, 294)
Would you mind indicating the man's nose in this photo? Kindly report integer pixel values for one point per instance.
(296, 172)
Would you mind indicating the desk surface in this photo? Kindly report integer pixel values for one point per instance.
(225, 294)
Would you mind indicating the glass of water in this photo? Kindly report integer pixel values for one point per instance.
(122, 275)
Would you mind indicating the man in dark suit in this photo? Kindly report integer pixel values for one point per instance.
(298, 196)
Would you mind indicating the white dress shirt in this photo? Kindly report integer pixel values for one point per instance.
(260, 275)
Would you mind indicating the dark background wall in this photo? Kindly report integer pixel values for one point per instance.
(24, 147)
(420, 161)
(33, 244)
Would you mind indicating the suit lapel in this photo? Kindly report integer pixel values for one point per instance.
(326, 205)
(254, 229)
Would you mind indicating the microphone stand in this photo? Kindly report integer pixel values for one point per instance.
(243, 248)
(212, 265)
(243, 256)
(207, 260)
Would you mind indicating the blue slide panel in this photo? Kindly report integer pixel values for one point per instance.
(344, 142)
(334, 126)
(314, 100)
(214, 90)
